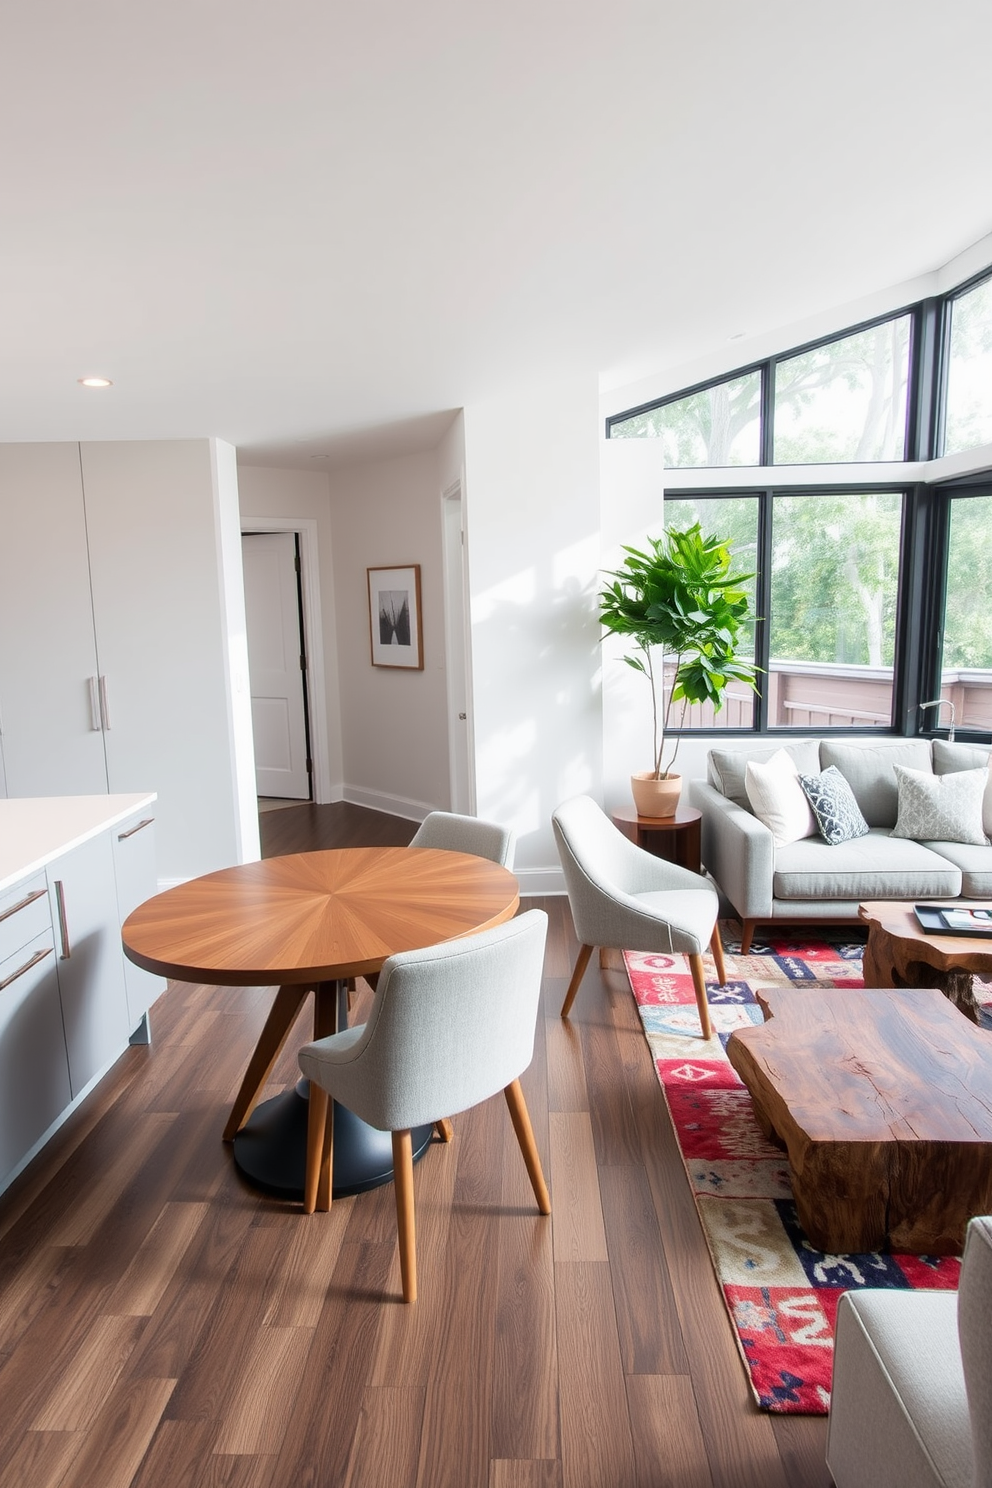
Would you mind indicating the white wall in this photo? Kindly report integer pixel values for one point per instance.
(393, 721)
(295, 496)
(532, 491)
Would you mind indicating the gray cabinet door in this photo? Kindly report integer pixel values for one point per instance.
(134, 864)
(34, 1074)
(91, 962)
(49, 702)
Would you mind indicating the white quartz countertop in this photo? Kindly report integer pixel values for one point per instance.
(34, 830)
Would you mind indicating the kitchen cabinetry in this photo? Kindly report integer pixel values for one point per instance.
(134, 873)
(90, 963)
(67, 1007)
(34, 1070)
(124, 663)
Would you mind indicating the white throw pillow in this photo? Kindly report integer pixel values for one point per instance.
(777, 798)
(940, 808)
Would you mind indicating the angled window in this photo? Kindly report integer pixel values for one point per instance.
(966, 648)
(844, 401)
(719, 425)
(968, 405)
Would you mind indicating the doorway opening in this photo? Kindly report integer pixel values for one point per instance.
(277, 667)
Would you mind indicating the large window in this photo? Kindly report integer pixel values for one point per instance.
(833, 594)
(826, 599)
(871, 603)
(966, 649)
(845, 400)
(968, 398)
(719, 425)
(735, 519)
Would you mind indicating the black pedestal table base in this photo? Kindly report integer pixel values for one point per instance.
(270, 1150)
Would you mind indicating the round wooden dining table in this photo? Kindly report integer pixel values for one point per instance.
(309, 922)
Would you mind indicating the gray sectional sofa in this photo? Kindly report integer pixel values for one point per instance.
(812, 880)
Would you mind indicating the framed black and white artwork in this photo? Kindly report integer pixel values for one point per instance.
(394, 617)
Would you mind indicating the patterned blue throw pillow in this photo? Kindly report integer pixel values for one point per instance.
(837, 812)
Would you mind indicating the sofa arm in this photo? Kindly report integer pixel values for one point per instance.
(738, 850)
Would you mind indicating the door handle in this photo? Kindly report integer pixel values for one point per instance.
(38, 956)
(95, 724)
(63, 919)
(104, 704)
(123, 836)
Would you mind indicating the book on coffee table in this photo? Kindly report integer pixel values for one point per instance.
(954, 920)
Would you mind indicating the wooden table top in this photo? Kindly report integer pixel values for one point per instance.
(317, 916)
(970, 952)
(870, 1065)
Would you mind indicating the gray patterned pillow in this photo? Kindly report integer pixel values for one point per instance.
(940, 808)
(837, 813)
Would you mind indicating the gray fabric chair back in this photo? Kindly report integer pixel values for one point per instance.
(975, 1336)
(467, 834)
(451, 1025)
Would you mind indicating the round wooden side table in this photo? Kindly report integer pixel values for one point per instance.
(674, 838)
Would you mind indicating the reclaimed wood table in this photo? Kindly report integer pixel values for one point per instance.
(675, 838)
(883, 1101)
(900, 953)
(308, 922)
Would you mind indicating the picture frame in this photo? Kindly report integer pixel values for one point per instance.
(395, 624)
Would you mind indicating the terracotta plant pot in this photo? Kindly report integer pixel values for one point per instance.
(655, 797)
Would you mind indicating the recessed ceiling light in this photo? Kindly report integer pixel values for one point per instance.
(98, 382)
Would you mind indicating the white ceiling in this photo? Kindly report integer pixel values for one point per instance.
(297, 225)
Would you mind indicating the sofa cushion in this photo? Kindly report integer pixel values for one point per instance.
(876, 866)
(778, 799)
(725, 768)
(948, 758)
(836, 810)
(975, 864)
(869, 771)
(941, 808)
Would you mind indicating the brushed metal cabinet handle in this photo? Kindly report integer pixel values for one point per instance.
(95, 723)
(22, 903)
(38, 956)
(123, 836)
(104, 704)
(63, 921)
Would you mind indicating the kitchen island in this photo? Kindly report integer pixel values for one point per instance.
(71, 869)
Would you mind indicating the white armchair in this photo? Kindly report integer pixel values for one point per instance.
(912, 1388)
(627, 899)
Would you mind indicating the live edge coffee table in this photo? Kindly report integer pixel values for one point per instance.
(306, 923)
(900, 953)
(883, 1102)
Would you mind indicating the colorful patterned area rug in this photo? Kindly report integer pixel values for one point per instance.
(781, 1293)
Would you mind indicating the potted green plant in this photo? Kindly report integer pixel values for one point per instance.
(679, 600)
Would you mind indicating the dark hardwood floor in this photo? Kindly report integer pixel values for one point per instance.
(162, 1325)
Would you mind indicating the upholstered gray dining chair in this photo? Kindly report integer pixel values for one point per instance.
(467, 834)
(911, 1403)
(626, 899)
(451, 1025)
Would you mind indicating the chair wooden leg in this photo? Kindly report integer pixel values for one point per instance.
(716, 946)
(698, 982)
(748, 928)
(444, 1128)
(581, 962)
(405, 1222)
(520, 1116)
(320, 1129)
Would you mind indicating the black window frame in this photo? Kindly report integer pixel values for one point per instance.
(925, 522)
